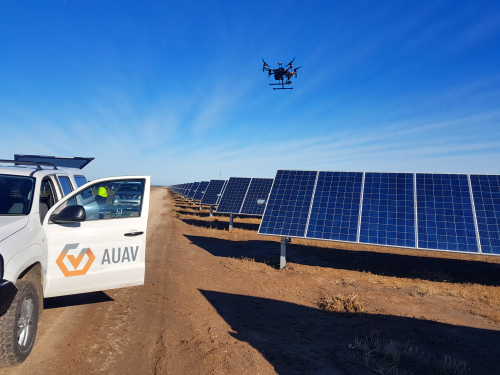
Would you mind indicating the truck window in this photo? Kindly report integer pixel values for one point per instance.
(16, 194)
(101, 201)
(47, 197)
(80, 180)
(65, 184)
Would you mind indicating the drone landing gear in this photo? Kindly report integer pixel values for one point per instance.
(282, 84)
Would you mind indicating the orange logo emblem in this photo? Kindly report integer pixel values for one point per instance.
(75, 261)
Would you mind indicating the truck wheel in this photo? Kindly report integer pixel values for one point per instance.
(18, 325)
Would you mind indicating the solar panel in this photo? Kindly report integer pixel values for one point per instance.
(183, 189)
(258, 190)
(234, 195)
(201, 190)
(486, 193)
(186, 189)
(192, 190)
(287, 209)
(335, 209)
(444, 212)
(222, 192)
(388, 212)
(451, 212)
(212, 191)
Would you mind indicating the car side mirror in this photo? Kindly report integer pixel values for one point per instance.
(69, 214)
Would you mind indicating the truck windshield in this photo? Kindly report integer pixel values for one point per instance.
(16, 194)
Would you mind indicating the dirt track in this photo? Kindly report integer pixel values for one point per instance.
(204, 311)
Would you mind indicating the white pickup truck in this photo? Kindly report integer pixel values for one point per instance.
(61, 235)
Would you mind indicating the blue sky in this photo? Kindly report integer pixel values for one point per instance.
(175, 90)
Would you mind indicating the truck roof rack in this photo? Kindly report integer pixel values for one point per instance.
(60, 161)
(38, 164)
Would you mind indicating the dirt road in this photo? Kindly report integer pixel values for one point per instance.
(213, 303)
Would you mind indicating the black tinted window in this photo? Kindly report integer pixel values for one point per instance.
(65, 185)
(16, 194)
(80, 180)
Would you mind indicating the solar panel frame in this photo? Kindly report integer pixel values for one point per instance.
(486, 200)
(416, 215)
(221, 194)
(211, 192)
(331, 202)
(475, 215)
(201, 190)
(193, 189)
(234, 195)
(388, 207)
(436, 217)
(252, 208)
(290, 224)
(187, 188)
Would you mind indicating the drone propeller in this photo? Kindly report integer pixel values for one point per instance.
(290, 64)
(265, 66)
(295, 71)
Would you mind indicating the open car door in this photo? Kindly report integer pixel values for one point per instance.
(96, 237)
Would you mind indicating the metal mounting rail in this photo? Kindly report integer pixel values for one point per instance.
(37, 163)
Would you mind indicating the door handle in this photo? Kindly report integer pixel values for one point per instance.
(131, 234)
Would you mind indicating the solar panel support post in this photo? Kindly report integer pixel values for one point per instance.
(211, 211)
(200, 205)
(283, 253)
(230, 221)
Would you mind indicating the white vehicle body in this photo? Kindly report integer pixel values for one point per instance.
(96, 254)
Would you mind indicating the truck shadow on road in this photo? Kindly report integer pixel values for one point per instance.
(76, 300)
(397, 265)
(297, 339)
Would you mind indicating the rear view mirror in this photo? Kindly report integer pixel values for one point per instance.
(69, 214)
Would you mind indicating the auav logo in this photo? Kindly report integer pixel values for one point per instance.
(75, 261)
(120, 257)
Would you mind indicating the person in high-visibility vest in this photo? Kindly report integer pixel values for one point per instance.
(100, 198)
(102, 192)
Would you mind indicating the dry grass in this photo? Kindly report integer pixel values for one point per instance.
(348, 282)
(342, 304)
(391, 357)
(426, 289)
(421, 282)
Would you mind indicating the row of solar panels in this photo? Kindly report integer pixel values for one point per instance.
(239, 195)
(207, 192)
(450, 212)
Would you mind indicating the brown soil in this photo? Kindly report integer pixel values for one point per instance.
(214, 303)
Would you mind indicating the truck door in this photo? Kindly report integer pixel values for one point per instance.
(105, 251)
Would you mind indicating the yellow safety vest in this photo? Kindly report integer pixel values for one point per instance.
(102, 192)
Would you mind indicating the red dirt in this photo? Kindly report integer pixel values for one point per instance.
(214, 303)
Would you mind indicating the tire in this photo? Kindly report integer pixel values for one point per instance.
(16, 342)
(34, 275)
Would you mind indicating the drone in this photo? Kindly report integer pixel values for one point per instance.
(281, 74)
